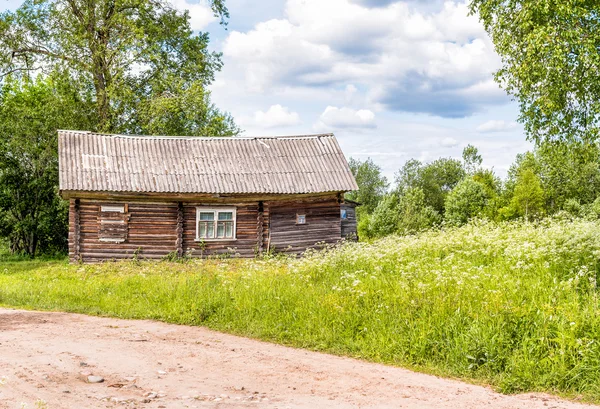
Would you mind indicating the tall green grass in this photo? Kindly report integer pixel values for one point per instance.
(510, 304)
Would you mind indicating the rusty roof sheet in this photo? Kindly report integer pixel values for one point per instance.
(277, 165)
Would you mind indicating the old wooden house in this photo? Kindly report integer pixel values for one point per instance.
(148, 197)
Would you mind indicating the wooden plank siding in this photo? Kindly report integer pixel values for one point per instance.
(157, 229)
(322, 224)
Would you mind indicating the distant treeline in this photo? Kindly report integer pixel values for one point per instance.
(556, 177)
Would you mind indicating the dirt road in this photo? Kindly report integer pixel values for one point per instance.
(50, 356)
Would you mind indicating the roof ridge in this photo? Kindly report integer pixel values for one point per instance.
(233, 137)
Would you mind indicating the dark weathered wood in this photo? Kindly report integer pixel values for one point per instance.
(151, 230)
(322, 224)
(259, 227)
(179, 243)
(266, 223)
(76, 231)
(112, 226)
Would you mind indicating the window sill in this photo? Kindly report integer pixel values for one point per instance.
(211, 240)
(103, 240)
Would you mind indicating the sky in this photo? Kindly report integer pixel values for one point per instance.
(393, 80)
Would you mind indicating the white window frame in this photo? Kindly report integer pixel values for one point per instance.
(216, 210)
(112, 208)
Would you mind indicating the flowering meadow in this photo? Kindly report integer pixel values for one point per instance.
(514, 305)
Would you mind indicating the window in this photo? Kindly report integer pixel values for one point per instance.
(344, 214)
(300, 218)
(215, 223)
(113, 220)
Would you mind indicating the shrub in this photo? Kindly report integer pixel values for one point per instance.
(467, 200)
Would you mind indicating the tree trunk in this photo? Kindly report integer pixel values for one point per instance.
(101, 85)
(98, 43)
(32, 245)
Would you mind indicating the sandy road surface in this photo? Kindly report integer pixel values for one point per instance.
(145, 364)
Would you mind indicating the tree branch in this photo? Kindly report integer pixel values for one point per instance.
(30, 50)
(5, 74)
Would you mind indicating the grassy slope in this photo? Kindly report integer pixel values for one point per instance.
(512, 305)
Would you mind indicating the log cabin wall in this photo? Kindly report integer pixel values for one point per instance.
(322, 224)
(153, 230)
(245, 244)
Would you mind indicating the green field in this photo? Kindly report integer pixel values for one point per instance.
(513, 305)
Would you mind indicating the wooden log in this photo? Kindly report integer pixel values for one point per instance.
(259, 227)
(322, 224)
(179, 242)
(77, 231)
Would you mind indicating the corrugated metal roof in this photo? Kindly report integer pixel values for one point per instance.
(278, 165)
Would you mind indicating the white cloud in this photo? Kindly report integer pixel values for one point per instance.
(270, 54)
(449, 142)
(200, 13)
(276, 116)
(334, 117)
(496, 126)
(404, 58)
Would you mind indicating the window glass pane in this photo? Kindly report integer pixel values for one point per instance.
(229, 230)
(207, 216)
(344, 214)
(206, 230)
(301, 219)
(220, 230)
(225, 215)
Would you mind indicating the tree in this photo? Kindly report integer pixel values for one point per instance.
(189, 112)
(435, 179)
(438, 179)
(528, 197)
(467, 200)
(568, 171)
(409, 176)
(404, 214)
(550, 63)
(384, 219)
(471, 159)
(143, 62)
(493, 189)
(32, 215)
(414, 214)
(523, 161)
(372, 185)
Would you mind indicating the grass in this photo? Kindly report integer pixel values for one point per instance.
(512, 305)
